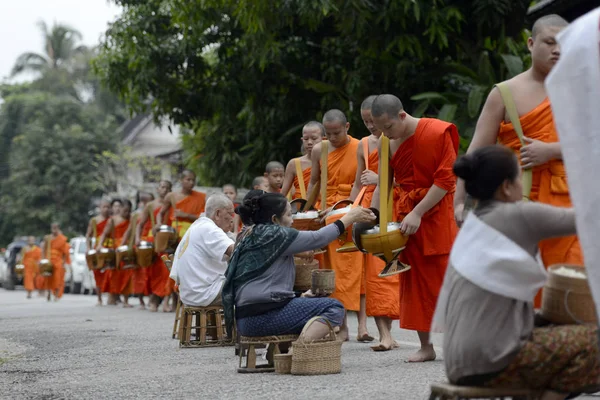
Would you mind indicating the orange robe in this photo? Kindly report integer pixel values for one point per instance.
(296, 183)
(119, 281)
(549, 182)
(59, 252)
(99, 275)
(382, 294)
(425, 159)
(348, 267)
(31, 259)
(158, 274)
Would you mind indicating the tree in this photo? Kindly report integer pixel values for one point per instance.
(246, 75)
(60, 46)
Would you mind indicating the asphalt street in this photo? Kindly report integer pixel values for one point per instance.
(72, 349)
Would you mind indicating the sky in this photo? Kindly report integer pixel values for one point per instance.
(19, 32)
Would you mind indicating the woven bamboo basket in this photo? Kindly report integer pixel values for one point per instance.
(320, 357)
(304, 269)
(283, 363)
(323, 282)
(567, 300)
(307, 224)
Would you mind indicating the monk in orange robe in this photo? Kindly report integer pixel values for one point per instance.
(118, 282)
(183, 208)
(541, 152)
(274, 172)
(381, 295)
(341, 171)
(158, 274)
(298, 169)
(32, 255)
(423, 153)
(95, 229)
(59, 255)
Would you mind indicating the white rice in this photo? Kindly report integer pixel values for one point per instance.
(306, 215)
(392, 226)
(569, 272)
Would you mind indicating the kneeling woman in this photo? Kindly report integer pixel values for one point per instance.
(261, 273)
(486, 302)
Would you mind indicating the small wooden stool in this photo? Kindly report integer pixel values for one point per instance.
(178, 316)
(251, 343)
(208, 325)
(446, 391)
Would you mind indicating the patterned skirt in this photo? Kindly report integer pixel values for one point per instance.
(291, 318)
(563, 359)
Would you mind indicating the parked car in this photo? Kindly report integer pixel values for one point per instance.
(11, 258)
(78, 276)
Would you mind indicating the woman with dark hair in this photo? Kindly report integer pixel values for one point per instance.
(261, 273)
(485, 305)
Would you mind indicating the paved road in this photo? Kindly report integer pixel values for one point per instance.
(72, 350)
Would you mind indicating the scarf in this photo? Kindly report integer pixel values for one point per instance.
(258, 249)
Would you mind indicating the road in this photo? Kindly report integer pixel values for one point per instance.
(72, 349)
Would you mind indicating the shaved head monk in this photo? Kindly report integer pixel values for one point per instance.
(94, 231)
(341, 171)
(297, 171)
(539, 149)
(158, 274)
(274, 173)
(31, 256)
(380, 295)
(260, 183)
(59, 255)
(422, 153)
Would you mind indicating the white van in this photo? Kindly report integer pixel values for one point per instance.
(79, 276)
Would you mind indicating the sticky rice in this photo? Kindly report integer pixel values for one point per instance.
(306, 215)
(569, 272)
(391, 226)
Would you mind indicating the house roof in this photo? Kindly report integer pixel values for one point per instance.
(147, 138)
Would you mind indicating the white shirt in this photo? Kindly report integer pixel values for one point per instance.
(199, 264)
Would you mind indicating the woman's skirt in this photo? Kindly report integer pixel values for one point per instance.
(563, 359)
(291, 318)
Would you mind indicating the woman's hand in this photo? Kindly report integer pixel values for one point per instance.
(359, 214)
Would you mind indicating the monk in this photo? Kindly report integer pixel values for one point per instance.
(32, 255)
(260, 183)
(231, 192)
(297, 171)
(118, 282)
(94, 231)
(158, 274)
(59, 255)
(380, 297)
(183, 209)
(341, 172)
(274, 173)
(422, 153)
(541, 152)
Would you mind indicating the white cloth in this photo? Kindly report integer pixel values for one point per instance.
(573, 87)
(490, 260)
(199, 263)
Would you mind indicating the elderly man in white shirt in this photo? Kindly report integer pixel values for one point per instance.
(201, 258)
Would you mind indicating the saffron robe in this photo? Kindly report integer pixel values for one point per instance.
(31, 259)
(158, 274)
(192, 204)
(348, 267)
(424, 159)
(306, 176)
(382, 294)
(59, 253)
(119, 281)
(549, 183)
(99, 275)
(140, 276)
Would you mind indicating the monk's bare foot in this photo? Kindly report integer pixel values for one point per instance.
(56, 299)
(29, 295)
(153, 307)
(49, 296)
(364, 338)
(127, 305)
(142, 307)
(423, 355)
(343, 335)
(111, 302)
(395, 345)
(99, 303)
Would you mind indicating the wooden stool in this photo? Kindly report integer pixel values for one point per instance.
(446, 391)
(208, 325)
(251, 343)
(178, 316)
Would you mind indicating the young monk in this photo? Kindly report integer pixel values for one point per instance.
(99, 223)
(119, 282)
(341, 171)
(32, 255)
(260, 183)
(422, 153)
(297, 171)
(183, 209)
(380, 298)
(230, 191)
(541, 153)
(274, 173)
(158, 274)
(59, 255)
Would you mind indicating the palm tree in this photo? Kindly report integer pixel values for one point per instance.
(60, 46)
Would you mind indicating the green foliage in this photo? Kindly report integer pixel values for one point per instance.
(245, 75)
